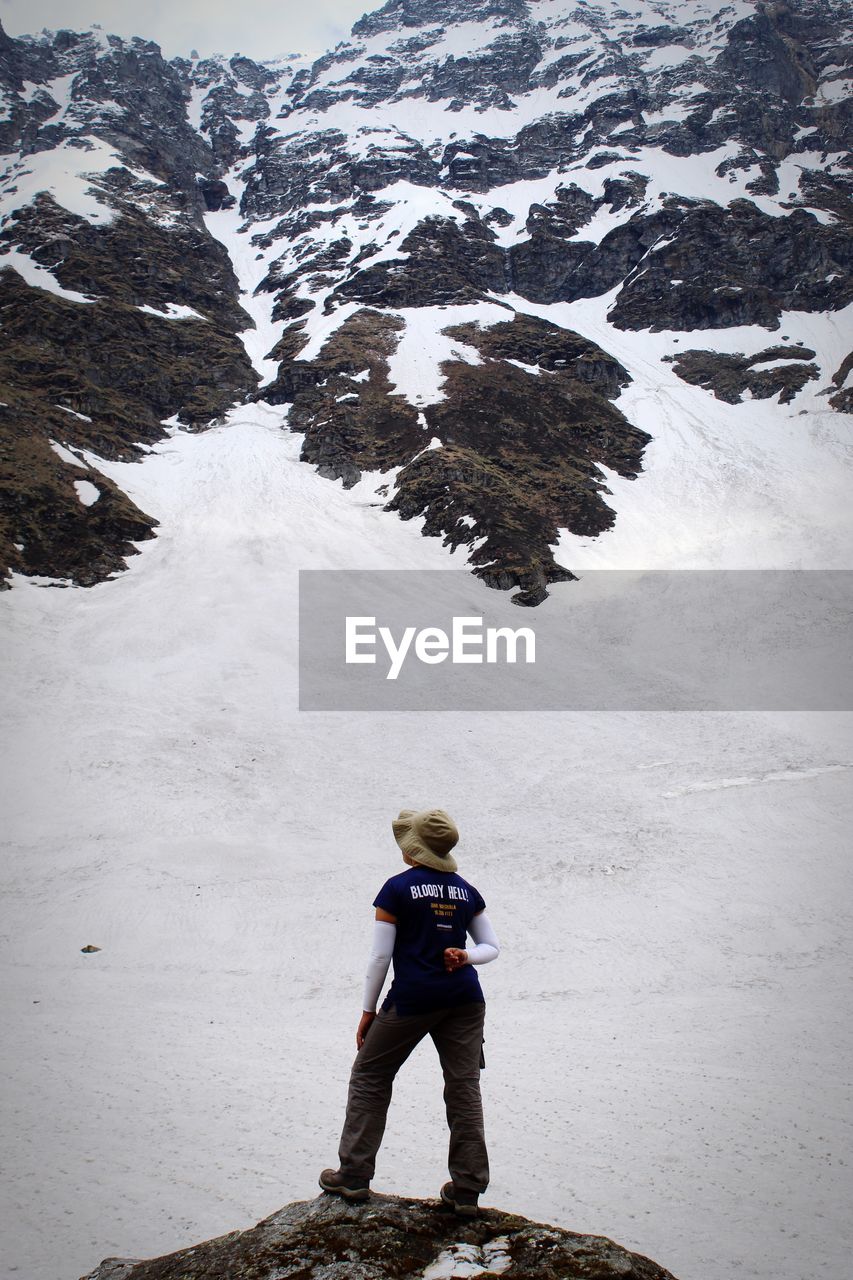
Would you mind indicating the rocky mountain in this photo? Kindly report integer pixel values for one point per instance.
(449, 253)
(390, 1238)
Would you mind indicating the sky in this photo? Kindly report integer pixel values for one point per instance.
(258, 28)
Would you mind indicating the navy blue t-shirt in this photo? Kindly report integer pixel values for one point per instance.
(433, 910)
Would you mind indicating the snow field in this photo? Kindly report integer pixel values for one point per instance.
(668, 1033)
(753, 485)
(666, 1047)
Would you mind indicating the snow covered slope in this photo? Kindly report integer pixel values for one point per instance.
(487, 227)
(566, 287)
(667, 1046)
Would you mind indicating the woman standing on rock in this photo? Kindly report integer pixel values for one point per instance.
(423, 917)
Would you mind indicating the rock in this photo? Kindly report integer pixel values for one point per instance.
(89, 948)
(762, 53)
(734, 266)
(390, 1238)
(520, 450)
(115, 1269)
(842, 399)
(216, 194)
(520, 445)
(442, 263)
(421, 13)
(350, 424)
(100, 376)
(44, 527)
(730, 377)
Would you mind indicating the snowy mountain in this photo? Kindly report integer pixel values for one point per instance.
(521, 273)
(462, 250)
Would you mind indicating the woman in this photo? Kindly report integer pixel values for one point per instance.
(423, 917)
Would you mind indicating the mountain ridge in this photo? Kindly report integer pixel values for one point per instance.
(681, 167)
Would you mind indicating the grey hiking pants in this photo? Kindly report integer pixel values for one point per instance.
(457, 1034)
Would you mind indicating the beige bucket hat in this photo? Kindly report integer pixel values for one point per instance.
(427, 836)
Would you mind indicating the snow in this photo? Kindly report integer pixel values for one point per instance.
(461, 39)
(427, 122)
(228, 227)
(87, 492)
(69, 173)
(29, 90)
(835, 90)
(66, 455)
(756, 485)
(321, 328)
(172, 311)
(668, 55)
(679, 110)
(465, 1259)
(550, 56)
(195, 105)
(781, 362)
(603, 221)
(516, 198)
(246, 131)
(59, 89)
(39, 277)
(415, 366)
(692, 177)
(669, 1066)
(167, 803)
(73, 412)
(411, 204)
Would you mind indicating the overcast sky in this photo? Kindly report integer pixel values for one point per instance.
(259, 28)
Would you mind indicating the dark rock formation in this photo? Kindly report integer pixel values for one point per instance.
(215, 194)
(390, 1238)
(689, 265)
(724, 267)
(102, 376)
(352, 424)
(546, 346)
(730, 376)
(45, 528)
(443, 263)
(763, 53)
(134, 260)
(519, 444)
(520, 452)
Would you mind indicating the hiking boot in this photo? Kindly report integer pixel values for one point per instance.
(339, 1184)
(462, 1202)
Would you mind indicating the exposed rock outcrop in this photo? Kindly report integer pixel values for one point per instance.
(390, 1238)
(500, 463)
(776, 371)
(842, 398)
